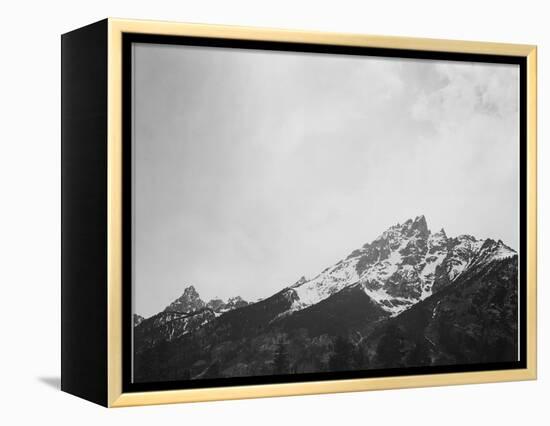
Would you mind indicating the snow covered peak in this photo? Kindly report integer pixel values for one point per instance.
(412, 227)
(438, 241)
(405, 264)
(495, 250)
(190, 292)
(420, 225)
(441, 233)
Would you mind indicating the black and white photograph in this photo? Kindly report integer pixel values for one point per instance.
(298, 212)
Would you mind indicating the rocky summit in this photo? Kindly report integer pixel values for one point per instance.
(406, 264)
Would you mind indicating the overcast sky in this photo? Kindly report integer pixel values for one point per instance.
(253, 168)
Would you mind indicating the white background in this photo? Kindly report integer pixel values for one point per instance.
(30, 211)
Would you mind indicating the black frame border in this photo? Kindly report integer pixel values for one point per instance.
(127, 321)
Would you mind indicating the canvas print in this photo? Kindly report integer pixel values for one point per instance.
(297, 213)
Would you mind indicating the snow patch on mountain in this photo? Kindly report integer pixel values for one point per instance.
(502, 252)
(462, 255)
(325, 284)
(492, 250)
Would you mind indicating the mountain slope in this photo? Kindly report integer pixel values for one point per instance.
(473, 321)
(346, 311)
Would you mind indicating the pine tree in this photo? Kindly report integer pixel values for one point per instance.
(281, 363)
(360, 360)
(186, 374)
(213, 371)
(390, 348)
(419, 355)
(341, 358)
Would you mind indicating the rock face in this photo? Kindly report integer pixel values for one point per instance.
(189, 301)
(406, 264)
(410, 297)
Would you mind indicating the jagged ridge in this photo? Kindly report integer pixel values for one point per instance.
(406, 264)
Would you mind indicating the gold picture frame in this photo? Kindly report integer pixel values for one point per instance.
(115, 396)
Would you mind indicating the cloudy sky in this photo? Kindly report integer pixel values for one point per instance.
(253, 168)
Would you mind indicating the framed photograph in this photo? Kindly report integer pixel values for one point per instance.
(250, 212)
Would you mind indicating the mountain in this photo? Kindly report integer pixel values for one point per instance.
(185, 314)
(404, 265)
(189, 301)
(410, 297)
